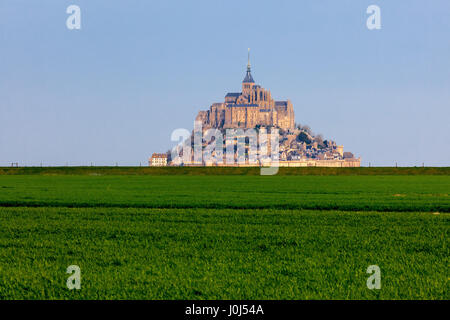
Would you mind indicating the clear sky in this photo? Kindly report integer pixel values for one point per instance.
(114, 91)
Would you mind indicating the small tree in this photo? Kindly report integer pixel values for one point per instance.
(348, 155)
(319, 140)
(303, 137)
(307, 129)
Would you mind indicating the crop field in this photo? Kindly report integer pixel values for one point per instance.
(224, 234)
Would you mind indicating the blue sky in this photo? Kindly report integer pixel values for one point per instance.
(114, 91)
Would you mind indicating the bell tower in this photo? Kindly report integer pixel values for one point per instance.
(248, 82)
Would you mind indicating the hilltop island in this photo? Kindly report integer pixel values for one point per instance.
(246, 114)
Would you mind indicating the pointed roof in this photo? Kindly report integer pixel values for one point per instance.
(248, 77)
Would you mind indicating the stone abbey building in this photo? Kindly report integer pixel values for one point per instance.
(247, 109)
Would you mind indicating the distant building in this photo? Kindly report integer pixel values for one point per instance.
(158, 160)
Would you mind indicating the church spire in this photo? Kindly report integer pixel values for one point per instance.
(248, 77)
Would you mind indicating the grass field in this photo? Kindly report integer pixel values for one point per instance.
(191, 234)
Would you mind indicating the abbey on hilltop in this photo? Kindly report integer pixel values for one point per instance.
(252, 107)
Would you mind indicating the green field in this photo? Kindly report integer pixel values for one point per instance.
(208, 233)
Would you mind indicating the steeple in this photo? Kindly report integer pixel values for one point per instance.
(248, 77)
